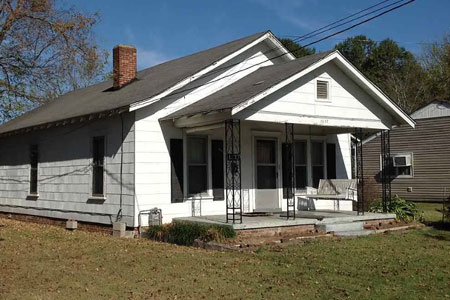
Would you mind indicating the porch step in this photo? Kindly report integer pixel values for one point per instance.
(363, 232)
(341, 226)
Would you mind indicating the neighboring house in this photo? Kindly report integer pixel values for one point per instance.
(420, 160)
(176, 135)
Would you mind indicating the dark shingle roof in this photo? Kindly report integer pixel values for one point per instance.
(150, 82)
(249, 86)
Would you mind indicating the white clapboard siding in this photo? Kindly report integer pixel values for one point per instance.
(65, 172)
(348, 105)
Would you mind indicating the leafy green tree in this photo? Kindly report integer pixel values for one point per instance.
(45, 51)
(357, 49)
(296, 49)
(391, 67)
(436, 61)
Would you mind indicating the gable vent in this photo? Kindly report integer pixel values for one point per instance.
(322, 89)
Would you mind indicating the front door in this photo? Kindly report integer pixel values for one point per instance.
(266, 193)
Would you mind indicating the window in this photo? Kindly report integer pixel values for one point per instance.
(317, 162)
(197, 165)
(34, 158)
(301, 165)
(98, 160)
(322, 90)
(401, 165)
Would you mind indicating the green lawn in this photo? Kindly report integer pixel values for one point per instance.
(432, 212)
(47, 262)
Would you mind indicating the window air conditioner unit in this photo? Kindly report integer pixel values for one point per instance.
(402, 160)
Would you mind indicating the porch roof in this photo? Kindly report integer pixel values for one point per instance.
(266, 80)
(248, 87)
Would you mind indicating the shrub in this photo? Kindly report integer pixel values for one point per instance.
(404, 210)
(184, 233)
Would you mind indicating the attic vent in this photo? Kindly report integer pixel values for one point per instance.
(322, 89)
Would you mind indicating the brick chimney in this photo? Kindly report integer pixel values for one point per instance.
(124, 65)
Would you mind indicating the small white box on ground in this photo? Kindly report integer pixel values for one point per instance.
(71, 224)
(119, 229)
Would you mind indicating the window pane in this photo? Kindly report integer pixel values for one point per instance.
(317, 153)
(266, 177)
(265, 152)
(196, 150)
(404, 170)
(300, 177)
(197, 179)
(98, 158)
(317, 175)
(300, 152)
(98, 181)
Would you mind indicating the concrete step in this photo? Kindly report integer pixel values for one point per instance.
(354, 233)
(341, 226)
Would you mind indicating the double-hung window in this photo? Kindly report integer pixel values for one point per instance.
(98, 161)
(197, 165)
(34, 158)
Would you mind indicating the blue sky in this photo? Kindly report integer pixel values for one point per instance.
(163, 30)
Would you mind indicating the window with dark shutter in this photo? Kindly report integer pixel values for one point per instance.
(317, 158)
(197, 164)
(34, 158)
(217, 169)
(322, 89)
(98, 160)
(176, 170)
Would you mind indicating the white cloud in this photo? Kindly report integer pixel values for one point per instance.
(147, 58)
(292, 11)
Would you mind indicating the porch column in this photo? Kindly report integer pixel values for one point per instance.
(386, 168)
(233, 194)
(359, 170)
(288, 171)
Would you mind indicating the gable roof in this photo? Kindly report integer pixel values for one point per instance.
(149, 82)
(249, 86)
(434, 109)
(271, 80)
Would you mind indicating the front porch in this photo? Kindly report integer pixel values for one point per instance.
(263, 144)
(276, 220)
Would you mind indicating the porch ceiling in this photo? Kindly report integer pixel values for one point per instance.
(216, 119)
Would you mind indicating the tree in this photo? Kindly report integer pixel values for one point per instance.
(296, 49)
(391, 67)
(45, 51)
(436, 61)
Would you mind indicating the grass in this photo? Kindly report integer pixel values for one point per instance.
(47, 262)
(432, 212)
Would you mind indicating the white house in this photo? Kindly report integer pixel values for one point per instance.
(190, 134)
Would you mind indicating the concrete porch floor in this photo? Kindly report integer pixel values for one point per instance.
(279, 220)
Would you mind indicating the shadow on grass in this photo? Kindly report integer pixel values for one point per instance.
(439, 225)
(444, 230)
